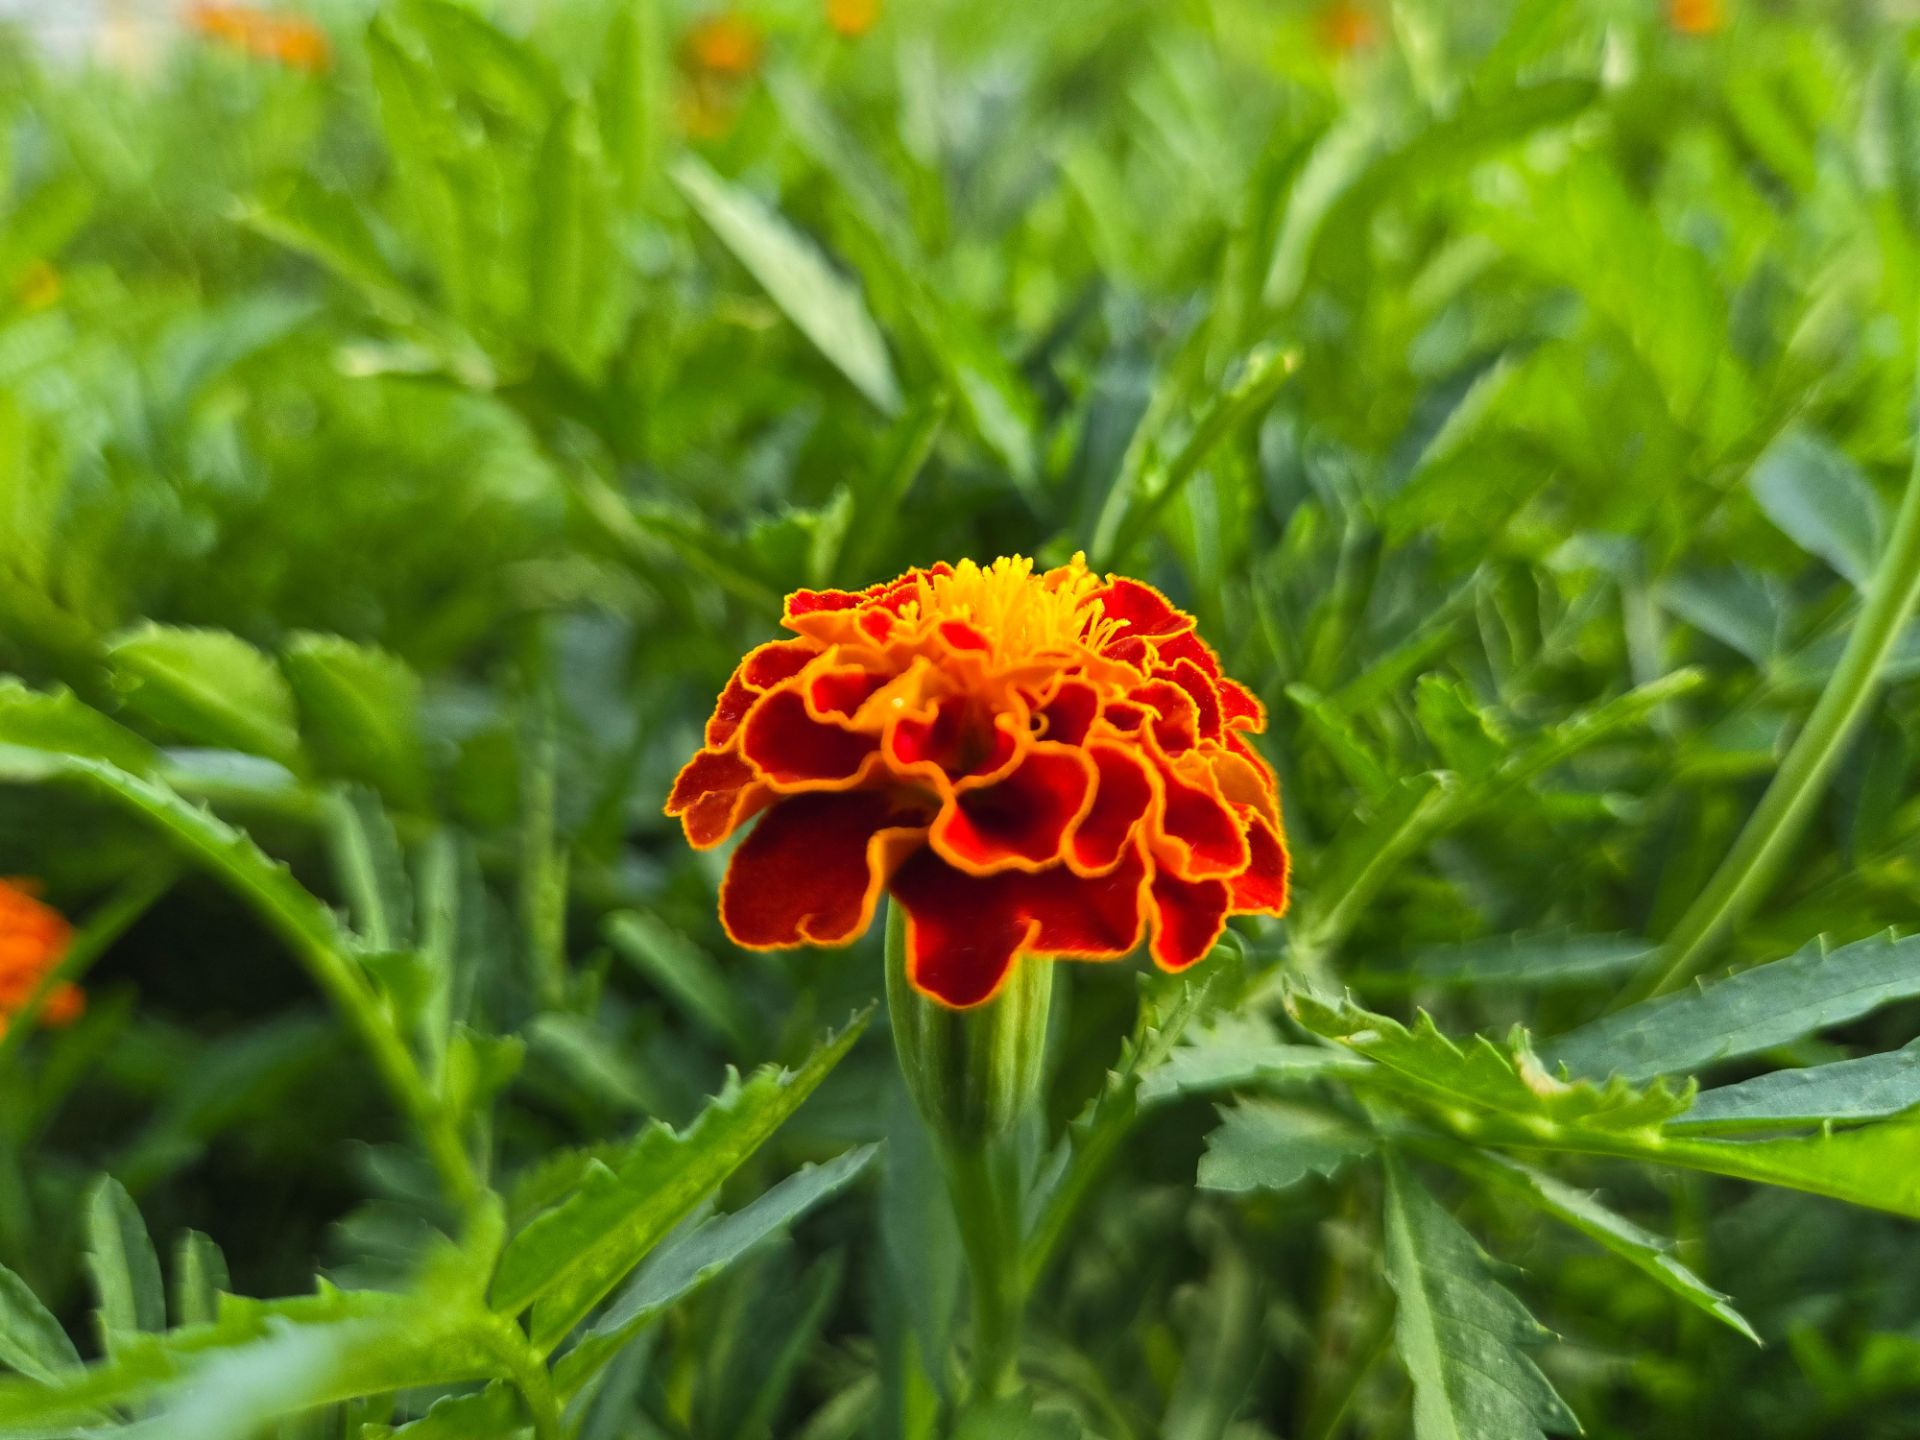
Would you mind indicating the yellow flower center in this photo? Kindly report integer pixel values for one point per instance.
(1019, 612)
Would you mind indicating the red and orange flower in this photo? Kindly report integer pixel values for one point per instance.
(33, 941)
(1047, 764)
(291, 40)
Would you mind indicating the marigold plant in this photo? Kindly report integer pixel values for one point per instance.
(1029, 762)
(33, 941)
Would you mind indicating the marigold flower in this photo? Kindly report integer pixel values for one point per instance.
(853, 18)
(1697, 17)
(33, 941)
(290, 40)
(1045, 764)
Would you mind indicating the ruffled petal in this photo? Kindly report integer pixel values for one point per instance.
(813, 869)
(1141, 609)
(1261, 889)
(1070, 711)
(768, 666)
(1206, 700)
(1242, 707)
(1189, 917)
(1189, 646)
(1174, 717)
(964, 930)
(1021, 821)
(715, 794)
(793, 751)
(1200, 835)
(1122, 797)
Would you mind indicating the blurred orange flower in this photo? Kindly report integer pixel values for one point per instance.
(1045, 763)
(853, 18)
(291, 40)
(718, 55)
(33, 941)
(726, 45)
(1697, 17)
(1345, 26)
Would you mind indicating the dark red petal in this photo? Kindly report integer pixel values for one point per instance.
(1262, 887)
(763, 669)
(812, 870)
(1176, 719)
(1202, 835)
(1121, 798)
(714, 793)
(876, 625)
(795, 751)
(1020, 821)
(1242, 707)
(1143, 609)
(1189, 916)
(776, 661)
(840, 691)
(1087, 917)
(1206, 700)
(962, 930)
(1070, 711)
(959, 635)
(928, 739)
(810, 602)
(1189, 646)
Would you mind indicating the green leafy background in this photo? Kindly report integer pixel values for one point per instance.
(396, 458)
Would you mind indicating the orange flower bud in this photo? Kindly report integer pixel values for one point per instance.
(1346, 26)
(726, 45)
(1697, 17)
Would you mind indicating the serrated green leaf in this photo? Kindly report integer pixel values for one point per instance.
(1268, 1145)
(1236, 1051)
(1521, 962)
(1745, 1013)
(122, 1265)
(1462, 1335)
(578, 296)
(359, 713)
(1641, 1248)
(59, 721)
(1872, 1087)
(569, 1257)
(824, 304)
(31, 1340)
(209, 687)
(692, 1255)
(1506, 1079)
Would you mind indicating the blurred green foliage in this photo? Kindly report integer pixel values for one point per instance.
(396, 456)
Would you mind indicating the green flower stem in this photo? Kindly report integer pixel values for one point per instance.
(973, 1075)
(1756, 857)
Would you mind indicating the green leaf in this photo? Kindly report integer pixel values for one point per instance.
(58, 721)
(631, 95)
(578, 299)
(1745, 1013)
(124, 1269)
(1013, 1419)
(1422, 1064)
(1873, 1087)
(31, 1340)
(371, 1343)
(570, 1256)
(199, 1279)
(824, 304)
(1267, 1145)
(1647, 1252)
(1235, 1051)
(1521, 962)
(1460, 1333)
(1821, 502)
(209, 687)
(359, 713)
